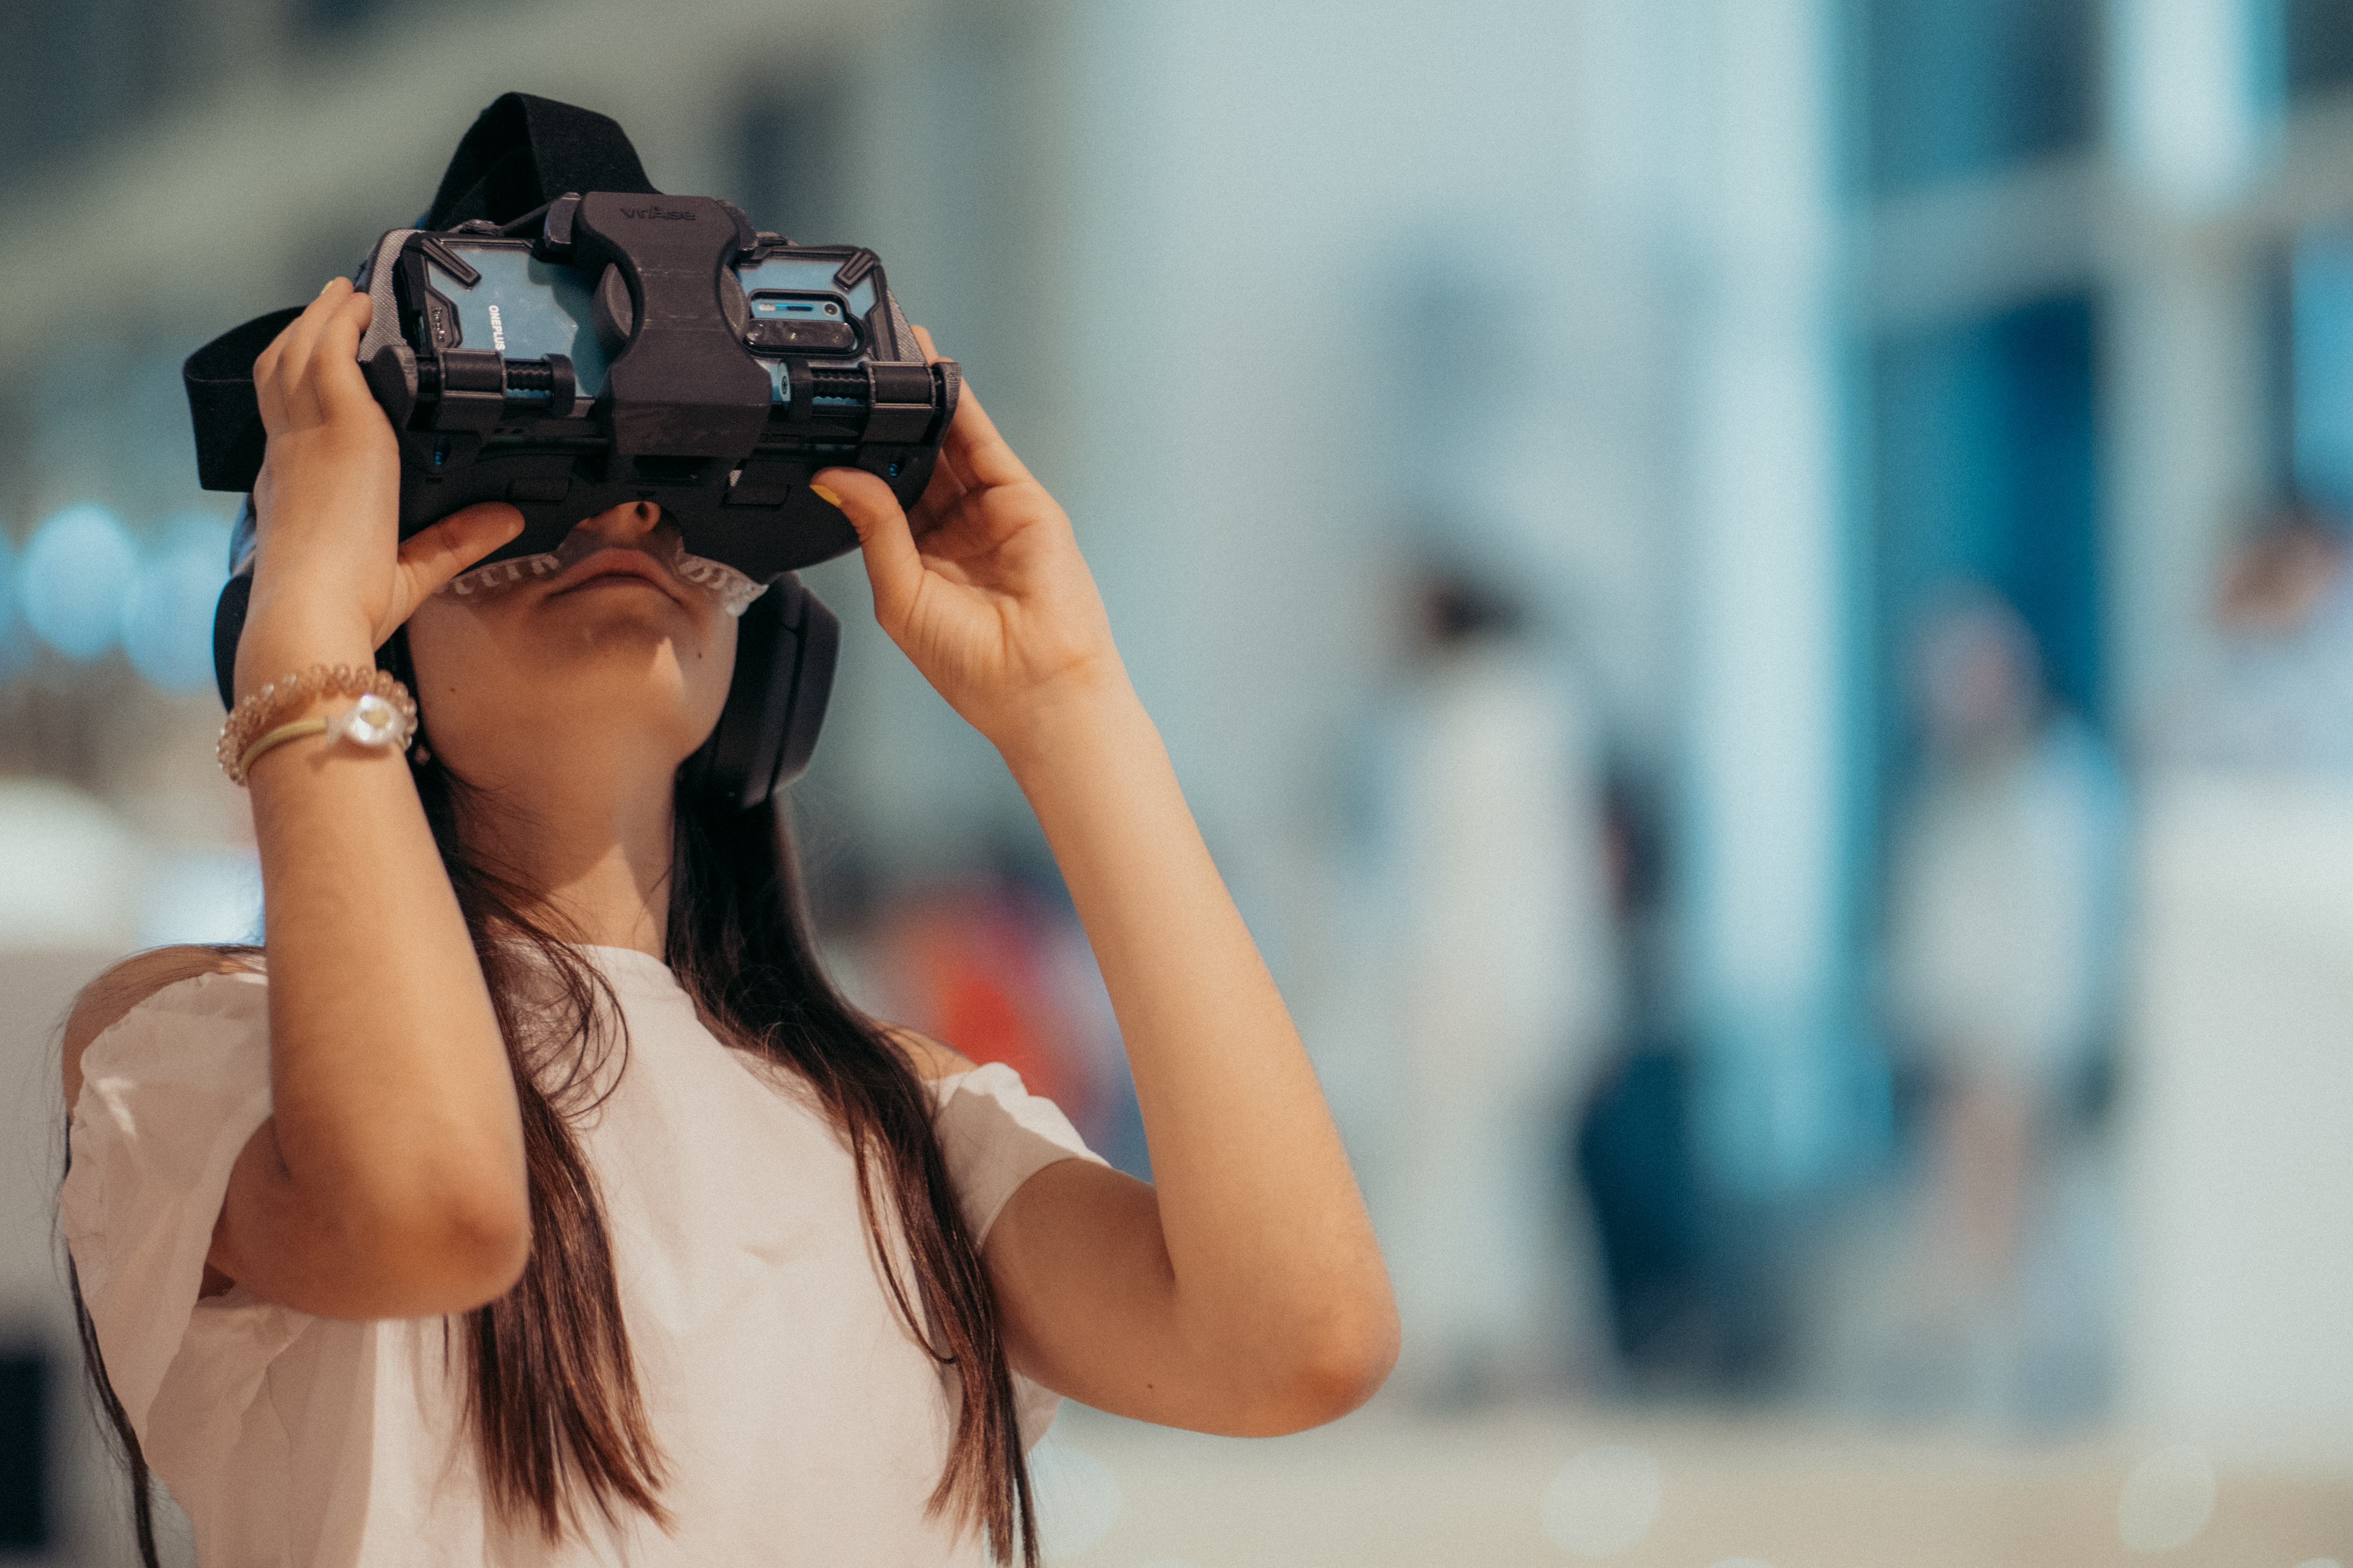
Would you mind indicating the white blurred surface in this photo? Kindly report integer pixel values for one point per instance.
(2238, 1176)
(1382, 1489)
(70, 871)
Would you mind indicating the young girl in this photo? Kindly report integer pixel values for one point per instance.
(531, 1197)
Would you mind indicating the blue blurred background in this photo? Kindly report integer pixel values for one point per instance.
(1751, 593)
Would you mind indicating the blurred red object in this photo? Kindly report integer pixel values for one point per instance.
(987, 970)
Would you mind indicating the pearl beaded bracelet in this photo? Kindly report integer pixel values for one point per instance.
(384, 715)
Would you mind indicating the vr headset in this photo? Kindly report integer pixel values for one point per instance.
(602, 344)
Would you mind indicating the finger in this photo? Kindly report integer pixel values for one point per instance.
(941, 494)
(295, 347)
(265, 364)
(979, 453)
(962, 450)
(947, 486)
(942, 491)
(894, 568)
(294, 351)
(965, 482)
(343, 391)
(950, 477)
(431, 556)
(266, 388)
(271, 360)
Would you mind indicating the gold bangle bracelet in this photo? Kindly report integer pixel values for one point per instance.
(278, 737)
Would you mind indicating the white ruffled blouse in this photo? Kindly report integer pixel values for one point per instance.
(802, 1421)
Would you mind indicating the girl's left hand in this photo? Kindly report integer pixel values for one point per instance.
(983, 587)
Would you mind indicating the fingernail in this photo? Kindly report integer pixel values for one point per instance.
(826, 495)
(327, 284)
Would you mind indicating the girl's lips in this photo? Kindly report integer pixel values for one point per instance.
(614, 563)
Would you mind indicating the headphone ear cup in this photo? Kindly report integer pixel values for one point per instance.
(786, 644)
(229, 625)
(237, 594)
(820, 634)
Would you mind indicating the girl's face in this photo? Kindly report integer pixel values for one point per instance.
(615, 650)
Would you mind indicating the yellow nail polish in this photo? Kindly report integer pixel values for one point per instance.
(825, 495)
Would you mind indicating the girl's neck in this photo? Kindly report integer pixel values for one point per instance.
(599, 861)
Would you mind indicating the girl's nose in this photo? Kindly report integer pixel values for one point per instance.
(625, 524)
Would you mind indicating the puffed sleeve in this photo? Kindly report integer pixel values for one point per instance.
(996, 1135)
(170, 1096)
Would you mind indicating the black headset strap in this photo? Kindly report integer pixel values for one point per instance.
(523, 151)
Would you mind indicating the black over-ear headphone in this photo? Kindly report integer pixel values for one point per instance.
(786, 642)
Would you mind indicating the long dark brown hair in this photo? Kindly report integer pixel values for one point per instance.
(553, 1399)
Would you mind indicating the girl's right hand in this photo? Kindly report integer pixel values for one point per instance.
(332, 578)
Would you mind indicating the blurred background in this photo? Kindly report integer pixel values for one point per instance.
(1753, 595)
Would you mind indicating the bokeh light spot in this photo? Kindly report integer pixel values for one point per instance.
(1602, 1501)
(2167, 1500)
(73, 580)
(1078, 1500)
(167, 619)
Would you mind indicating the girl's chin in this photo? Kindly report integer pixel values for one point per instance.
(580, 744)
(623, 670)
